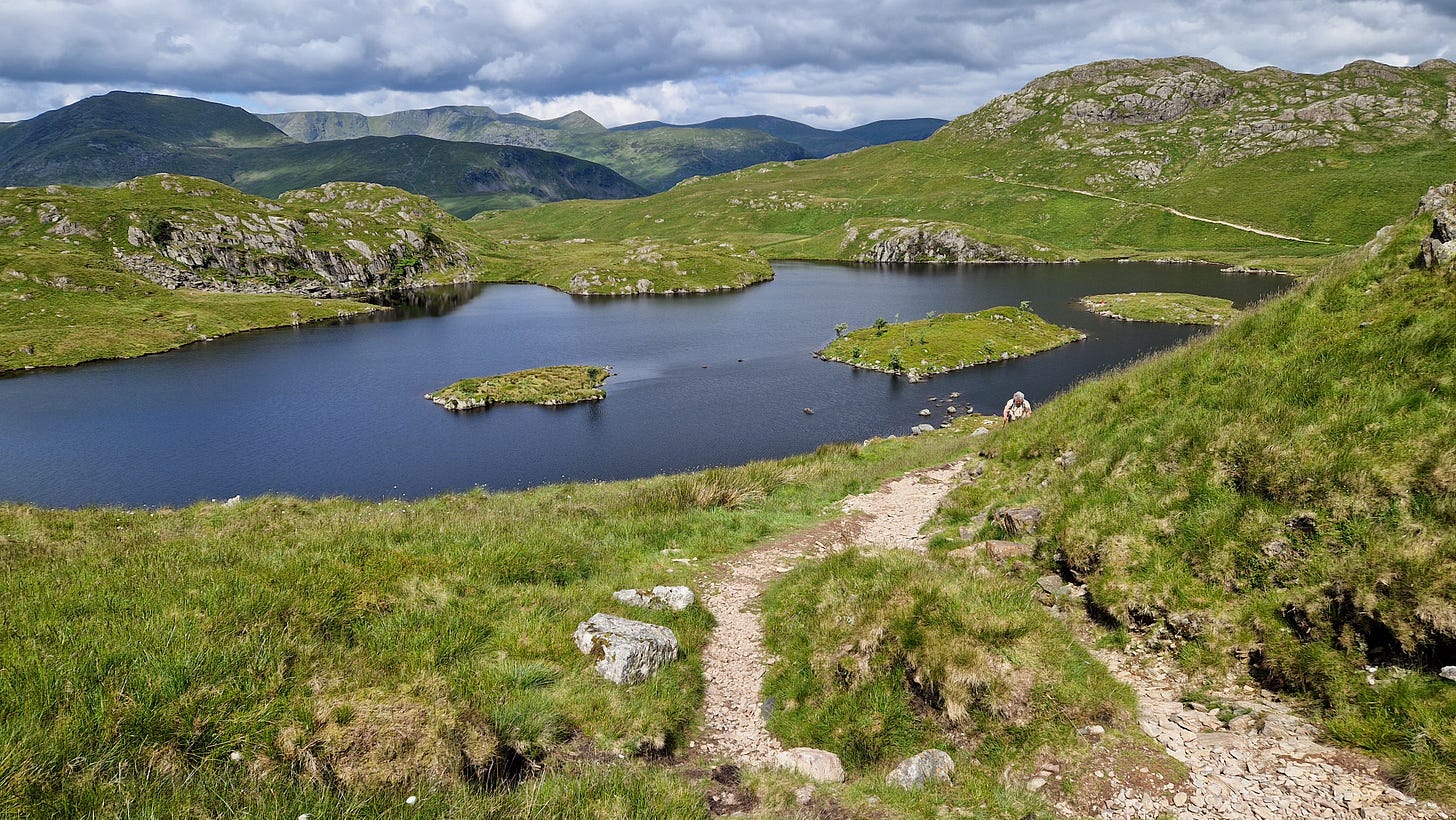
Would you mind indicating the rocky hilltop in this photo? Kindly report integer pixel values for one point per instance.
(338, 239)
(1150, 121)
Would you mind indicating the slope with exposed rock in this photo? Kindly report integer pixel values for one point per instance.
(1126, 158)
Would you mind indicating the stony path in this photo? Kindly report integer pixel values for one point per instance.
(734, 659)
(1264, 764)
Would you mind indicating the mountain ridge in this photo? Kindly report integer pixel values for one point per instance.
(111, 138)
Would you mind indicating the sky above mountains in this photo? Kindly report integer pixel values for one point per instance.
(830, 63)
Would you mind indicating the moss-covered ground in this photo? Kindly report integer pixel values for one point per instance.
(1173, 308)
(948, 341)
(559, 384)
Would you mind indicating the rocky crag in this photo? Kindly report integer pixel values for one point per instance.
(338, 239)
(1147, 122)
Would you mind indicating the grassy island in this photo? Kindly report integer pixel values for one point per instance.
(561, 384)
(1172, 308)
(946, 342)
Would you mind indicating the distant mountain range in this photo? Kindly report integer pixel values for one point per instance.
(655, 155)
(114, 137)
(467, 158)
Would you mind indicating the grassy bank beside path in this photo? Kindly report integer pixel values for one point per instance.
(350, 653)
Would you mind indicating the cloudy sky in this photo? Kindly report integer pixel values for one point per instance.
(831, 63)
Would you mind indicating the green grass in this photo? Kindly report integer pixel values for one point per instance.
(65, 297)
(949, 341)
(560, 384)
(632, 267)
(1173, 308)
(910, 652)
(349, 651)
(1278, 492)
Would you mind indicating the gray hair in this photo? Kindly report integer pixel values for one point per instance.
(1019, 395)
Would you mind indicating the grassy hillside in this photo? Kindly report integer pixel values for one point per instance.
(91, 273)
(353, 653)
(1277, 499)
(112, 138)
(1094, 162)
(157, 262)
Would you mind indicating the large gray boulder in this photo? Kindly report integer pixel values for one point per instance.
(815, 764)
(626, 651)
(930, 766)
(659, 597)
(1449, 673)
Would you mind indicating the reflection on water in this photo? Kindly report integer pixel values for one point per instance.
(701, 380)
(422, 302)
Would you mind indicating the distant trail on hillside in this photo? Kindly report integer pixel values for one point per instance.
(1166, 208)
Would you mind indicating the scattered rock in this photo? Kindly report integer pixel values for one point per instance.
(1449, 673)
(980, 431)
(930, 766)
(815, 764)
(1051, 587)
(659, 597)
(1001, 550)
(1093, 732)
(1066, 459)
(804, 794)
(808, 411)
(924, 412)
(626, 651)
(1019, 520)
(922, 428)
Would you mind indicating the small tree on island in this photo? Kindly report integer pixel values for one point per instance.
(880, 324)
(840, 328)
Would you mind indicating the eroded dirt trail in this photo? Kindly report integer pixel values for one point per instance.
(734, 659)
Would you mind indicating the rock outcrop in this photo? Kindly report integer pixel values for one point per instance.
(626, 651)
(1439, 248)
(929, 243)
(368, 239)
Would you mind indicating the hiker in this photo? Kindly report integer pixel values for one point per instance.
(1016, 409)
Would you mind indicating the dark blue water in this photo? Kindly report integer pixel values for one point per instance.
(700, 380)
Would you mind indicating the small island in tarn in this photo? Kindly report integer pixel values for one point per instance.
(945, 342)
(1172, 308)
(561, 384)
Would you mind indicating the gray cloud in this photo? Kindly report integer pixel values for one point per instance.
(842, 61)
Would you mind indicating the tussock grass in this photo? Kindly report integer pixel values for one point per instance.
(907, 649)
